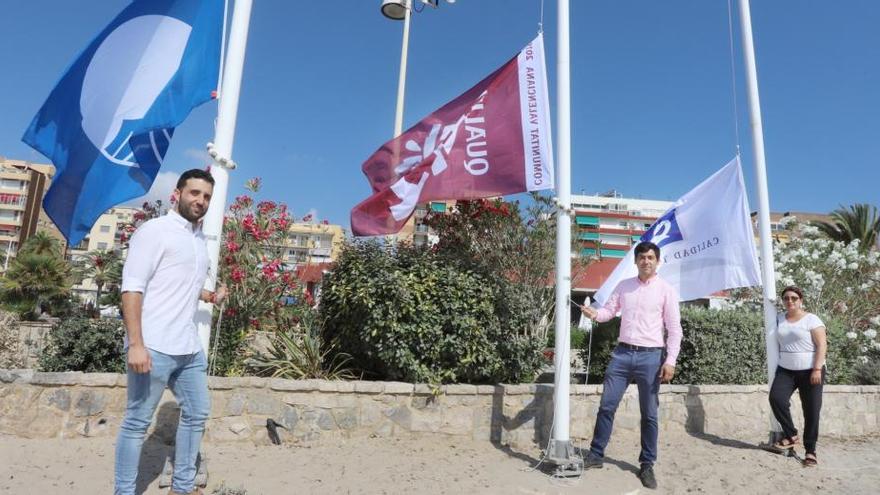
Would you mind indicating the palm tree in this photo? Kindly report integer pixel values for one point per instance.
(42, 243)
(36, 278)
(860, 221)
(103, 267)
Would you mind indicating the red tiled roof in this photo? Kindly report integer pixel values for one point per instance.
(312, 272)
(592, 276)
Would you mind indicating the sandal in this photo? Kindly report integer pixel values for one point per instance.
(810, 460)
(786, 443)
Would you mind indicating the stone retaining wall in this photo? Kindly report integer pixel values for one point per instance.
(42, 405)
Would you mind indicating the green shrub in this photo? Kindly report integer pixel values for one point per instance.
(721, 346)
(298, 353)
(843, 353)
(604, 342)
(577, 338)
(727, 347)
(406, 315)
(868, 373)
(84, 344)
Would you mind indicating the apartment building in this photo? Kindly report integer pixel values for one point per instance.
(22, 187)
(416, 231)
(609, 224)
(105, 235)
(312, 243)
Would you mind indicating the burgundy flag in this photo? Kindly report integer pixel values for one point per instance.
(492, 140)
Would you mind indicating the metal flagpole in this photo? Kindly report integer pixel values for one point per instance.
(221, 151)
(560, 449)
(769, 275)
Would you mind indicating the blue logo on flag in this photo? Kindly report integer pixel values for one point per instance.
(664, 230)
(108, 123)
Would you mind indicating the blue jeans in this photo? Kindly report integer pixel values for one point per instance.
(187, 377)
(626, 366)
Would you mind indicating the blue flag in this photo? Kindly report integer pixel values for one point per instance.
(108, 123)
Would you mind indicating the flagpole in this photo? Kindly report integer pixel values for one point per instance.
(769, 274)
(224, 137)
(560, 450)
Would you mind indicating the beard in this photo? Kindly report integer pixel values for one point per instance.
(187, 211)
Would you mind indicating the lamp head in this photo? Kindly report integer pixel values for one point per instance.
(394, 9)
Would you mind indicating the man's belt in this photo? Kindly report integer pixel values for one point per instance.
(637, 348)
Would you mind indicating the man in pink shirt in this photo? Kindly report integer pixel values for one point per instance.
(647, 305)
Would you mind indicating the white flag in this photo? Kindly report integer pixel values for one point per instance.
(705, 239)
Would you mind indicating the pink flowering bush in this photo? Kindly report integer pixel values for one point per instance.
(259, 284)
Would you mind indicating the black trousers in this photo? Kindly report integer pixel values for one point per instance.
(784, 384)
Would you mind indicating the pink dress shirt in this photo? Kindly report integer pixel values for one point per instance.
(645, 308)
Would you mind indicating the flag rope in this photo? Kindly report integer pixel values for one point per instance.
(541, 20)
(223, 161)
(733, 77)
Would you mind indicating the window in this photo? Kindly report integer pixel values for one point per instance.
(587, 221)
(11, 184)
(105, 229)
(102, 245)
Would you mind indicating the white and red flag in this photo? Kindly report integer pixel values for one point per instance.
(491, 141)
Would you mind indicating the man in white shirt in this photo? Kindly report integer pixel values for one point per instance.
(165, 270)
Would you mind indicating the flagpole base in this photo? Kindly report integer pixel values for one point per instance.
(568, 463)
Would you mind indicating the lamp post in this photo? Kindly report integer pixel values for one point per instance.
(400, 10)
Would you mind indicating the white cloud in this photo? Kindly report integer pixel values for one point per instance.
(312, 214)
(198, 155)
(162, 188)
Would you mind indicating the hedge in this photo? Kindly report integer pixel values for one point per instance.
(727, 347)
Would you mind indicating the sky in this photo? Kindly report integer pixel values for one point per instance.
(652, 86)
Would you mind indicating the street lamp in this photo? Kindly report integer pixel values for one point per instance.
(394, 9)
(399, 10)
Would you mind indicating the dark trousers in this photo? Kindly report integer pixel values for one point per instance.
(626, 366)
(784, 384)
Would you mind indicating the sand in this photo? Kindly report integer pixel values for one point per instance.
(447, 465)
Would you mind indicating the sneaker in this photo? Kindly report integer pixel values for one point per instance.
(646, 475)
(591, 461)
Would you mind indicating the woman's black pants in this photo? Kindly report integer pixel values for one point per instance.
(784, 384)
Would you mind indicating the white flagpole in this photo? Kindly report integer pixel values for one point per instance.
(224, 136)
(560, 450)
(769, 274)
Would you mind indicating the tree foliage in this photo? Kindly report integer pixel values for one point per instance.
(37, 274)
(859, 222)
(103, 267)
(513, 249)
(407, 314)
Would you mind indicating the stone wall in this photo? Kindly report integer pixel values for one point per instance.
(41, 405)
(21, 342)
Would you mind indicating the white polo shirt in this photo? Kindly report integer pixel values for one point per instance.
(168, 263)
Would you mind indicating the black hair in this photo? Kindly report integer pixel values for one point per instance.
(645, 246)
(792, 288)
(195, 173)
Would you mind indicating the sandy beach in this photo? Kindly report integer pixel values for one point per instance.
(446, 465)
